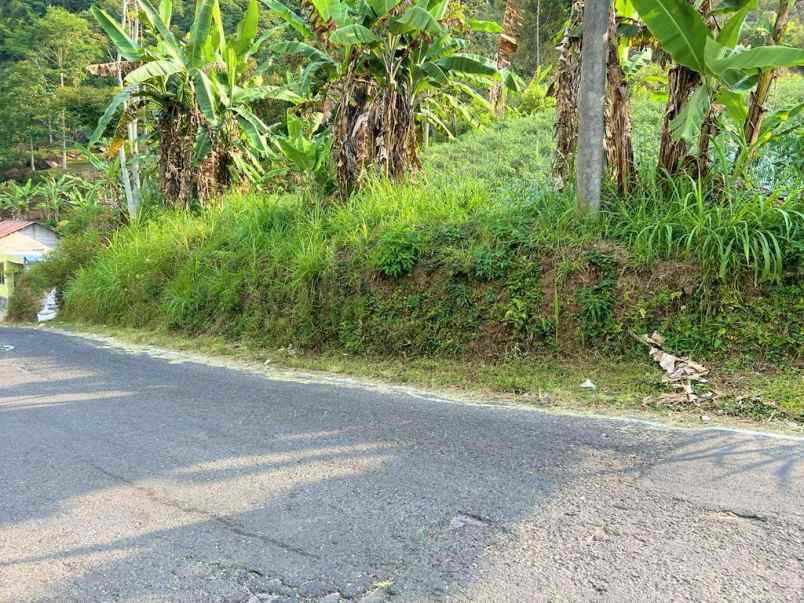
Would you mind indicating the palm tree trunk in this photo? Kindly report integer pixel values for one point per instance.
(512, 22)
(565, 132)
(619, 147)
(591, 103)
(756, 107)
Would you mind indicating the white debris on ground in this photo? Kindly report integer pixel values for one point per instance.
(588, 385)
(680, 373)
(50, 307)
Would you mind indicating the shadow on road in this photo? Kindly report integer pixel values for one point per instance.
(127, 477)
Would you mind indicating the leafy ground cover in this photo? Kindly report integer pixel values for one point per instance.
(475, 270)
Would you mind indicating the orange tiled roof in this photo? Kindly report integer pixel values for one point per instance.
(8, 227)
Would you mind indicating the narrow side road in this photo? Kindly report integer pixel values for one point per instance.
(131, 478)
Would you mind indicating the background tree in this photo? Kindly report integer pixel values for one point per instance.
(509, 42)
(26, 105)
(712, 66)
(60, 44)
(53, 49)
(200, 88)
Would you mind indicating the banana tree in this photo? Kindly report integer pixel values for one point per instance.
(718, 62)
(202, 87)
(18, 198)
(375, 67)
(509, 42)
(304, 151)
(565, 131)
(53, 194)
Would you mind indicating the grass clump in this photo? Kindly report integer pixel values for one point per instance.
(726, 234)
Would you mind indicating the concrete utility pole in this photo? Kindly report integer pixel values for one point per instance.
(589, 161)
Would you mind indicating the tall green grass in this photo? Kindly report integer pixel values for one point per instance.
(728, 233)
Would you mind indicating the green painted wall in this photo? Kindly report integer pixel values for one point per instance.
(9, 269)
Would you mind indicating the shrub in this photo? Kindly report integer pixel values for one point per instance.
(24, 303)
(397, 251)
(535, 98)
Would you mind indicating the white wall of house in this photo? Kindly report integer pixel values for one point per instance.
(41, 233)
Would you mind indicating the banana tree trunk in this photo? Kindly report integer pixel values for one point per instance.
(674, 156)
(374, 130)
(591, 104)
(681, 84)
(181, 179)
(509, 42)
(565, 132)
(619, 147)
(756, 106)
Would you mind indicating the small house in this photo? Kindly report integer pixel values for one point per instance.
(21, 244)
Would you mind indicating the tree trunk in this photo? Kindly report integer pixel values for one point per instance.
(681, 83)
(591, 97)
(538, 32)
(131, 181)
(756, 106)
(619, 148)
(133, 134)
(64, 140)
(124, 179)
(565, 132)
(133, 139)
(674, 155)
(63, 132)
(512, 22)
(33, 157)
(374, 129)
(181, 180)
(176, 135)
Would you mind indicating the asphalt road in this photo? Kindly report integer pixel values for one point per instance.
(126, 477)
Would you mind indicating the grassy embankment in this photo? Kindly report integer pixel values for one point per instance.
(476, 274)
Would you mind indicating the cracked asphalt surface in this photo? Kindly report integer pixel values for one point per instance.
(128, 477)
